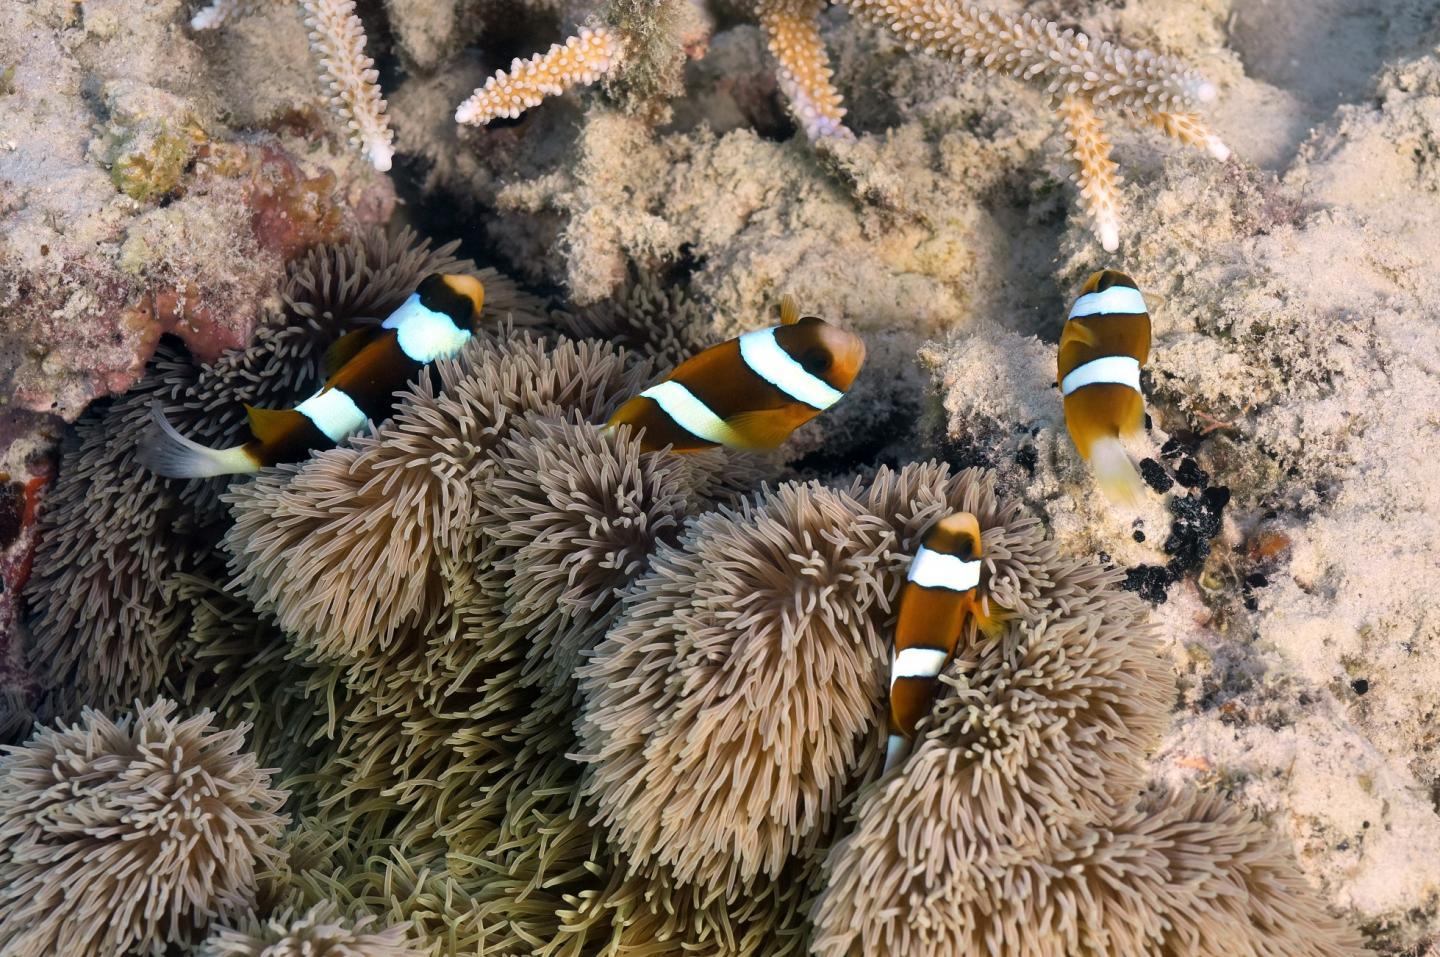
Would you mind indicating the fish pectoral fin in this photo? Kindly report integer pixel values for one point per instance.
(1075, 332)
(345, 348)
(789, 310)
(267, 425)
(760, 430)
(990, 619)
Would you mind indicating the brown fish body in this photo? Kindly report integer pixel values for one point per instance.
(941, 596)
(1105, 343)
(750, 392)
(370, 366)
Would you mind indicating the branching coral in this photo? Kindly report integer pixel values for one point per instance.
(1079, 75)
(123, 836)
(579, 61)
(319, 932)
(337, 38)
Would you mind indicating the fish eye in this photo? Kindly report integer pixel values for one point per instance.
(965, 548)
(815, 361)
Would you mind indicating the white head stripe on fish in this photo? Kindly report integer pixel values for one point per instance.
(938, 570)
(1115, 301)
(776, 366)
(690, 413)
(917, 663)
(425, 335)
(1110, 370)
(333, 413)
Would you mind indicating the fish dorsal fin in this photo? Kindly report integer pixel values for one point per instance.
(789, 310)
(759, 429)
(267, 425)
(345, 348)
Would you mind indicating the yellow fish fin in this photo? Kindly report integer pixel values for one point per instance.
(345, 348)
(1075, 332)
(789, 310)
(990, 618)
(762, 429)
(268, 425)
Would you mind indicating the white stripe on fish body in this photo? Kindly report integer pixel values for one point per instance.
(917, 663)
(895, 749)
(691, 414)
(1110, 370)
(425, 334)
(932, 569)
(333, 413)
(770, 362)
(1115, 301)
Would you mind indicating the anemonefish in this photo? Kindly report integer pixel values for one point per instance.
(365, 367)
(1105, 342)
(941, 595)
(750, 392)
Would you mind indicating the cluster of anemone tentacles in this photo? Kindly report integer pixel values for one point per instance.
(531, 690)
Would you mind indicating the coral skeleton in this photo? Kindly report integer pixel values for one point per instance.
(579, 61)
(337, 38)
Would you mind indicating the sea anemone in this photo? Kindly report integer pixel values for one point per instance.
(125, 836)
(108, 638)
(350, 547)
(1175, 873)
(728, 707)
(320, 931)
(736, 699)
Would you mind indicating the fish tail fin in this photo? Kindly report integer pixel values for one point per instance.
(896, 749)
(164, 451)
(1115, 472)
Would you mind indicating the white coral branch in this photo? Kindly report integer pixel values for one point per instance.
(1064, 62)
(792, 28)
(580, 60)
(338, 39)
(1192, 131)
(1096, 173)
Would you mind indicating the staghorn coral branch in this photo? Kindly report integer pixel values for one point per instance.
(1095, 171)
(1064, 62)
(1190, 130)
(792, 28)
(338, 39)
(582, 59)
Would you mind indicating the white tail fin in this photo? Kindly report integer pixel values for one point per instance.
(1115, 472)
(166, 452)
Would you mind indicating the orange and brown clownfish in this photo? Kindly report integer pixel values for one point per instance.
(366, 368)
(1105, 342)
(942, 594)
(750, 392)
